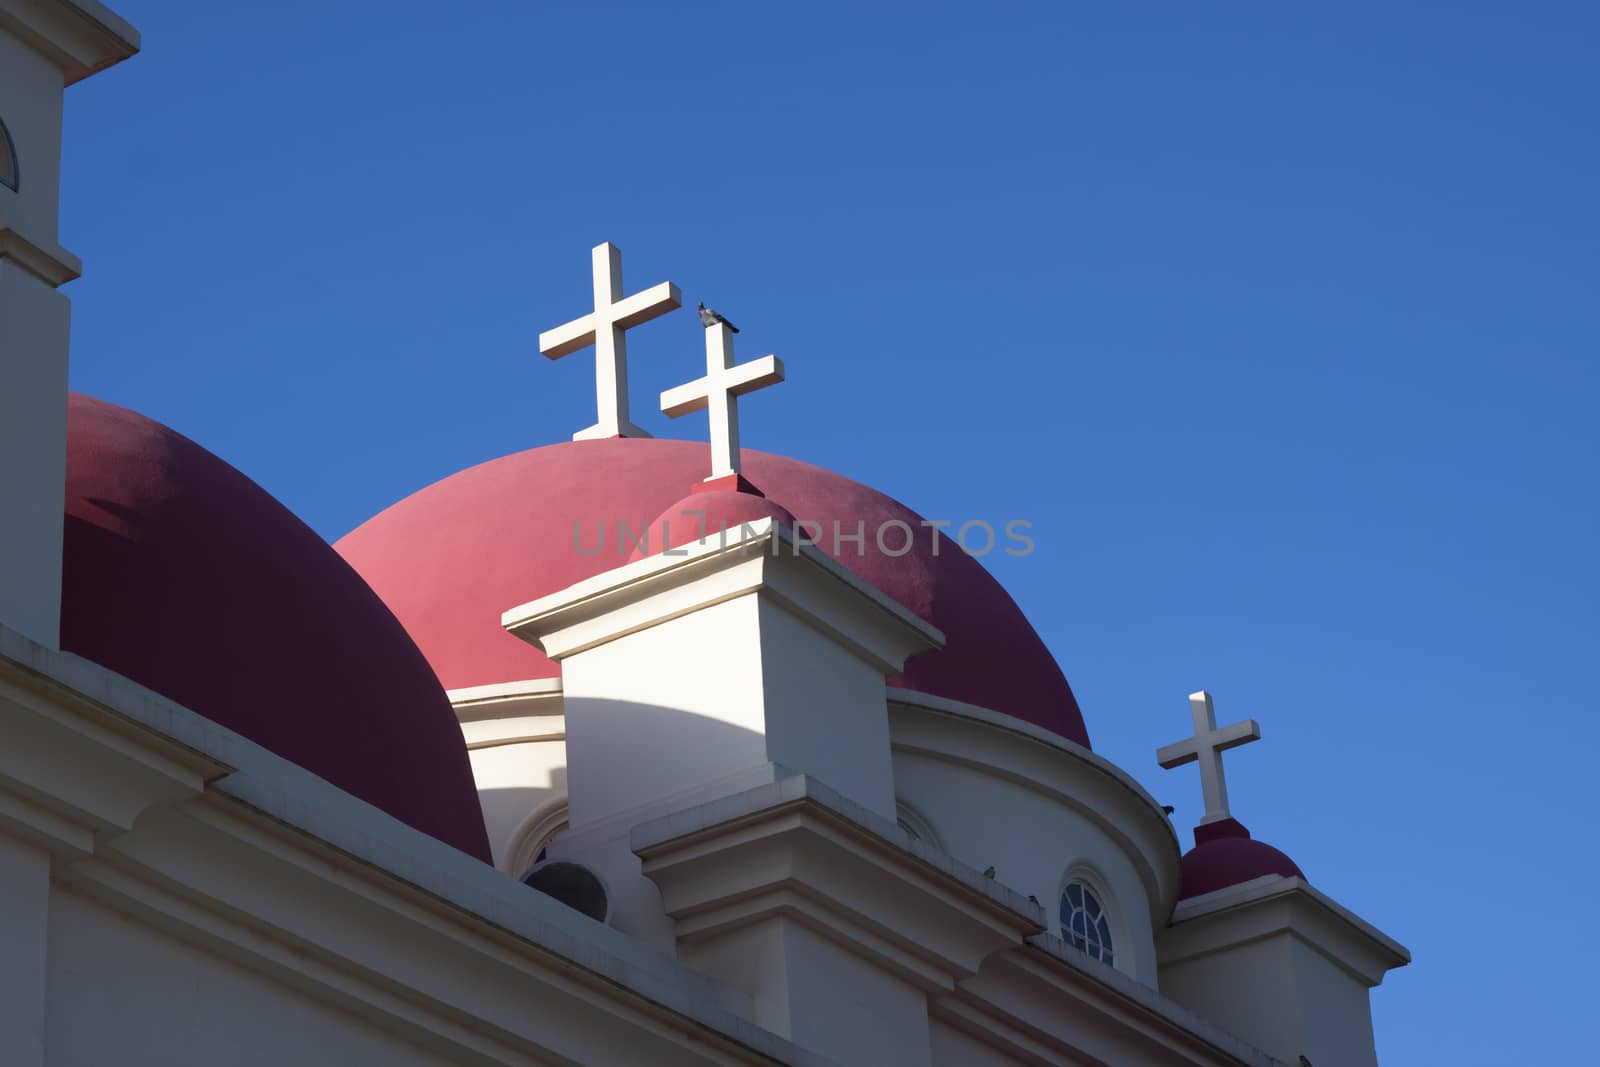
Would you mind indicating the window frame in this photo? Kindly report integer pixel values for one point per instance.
(1091, 879)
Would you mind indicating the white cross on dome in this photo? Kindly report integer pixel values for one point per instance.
(1206, 748)
(604, 328)
(720, 389)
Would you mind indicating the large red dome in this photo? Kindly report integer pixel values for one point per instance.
(451, 558)
(187, 577)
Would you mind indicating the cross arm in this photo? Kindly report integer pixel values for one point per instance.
(1177, 754)
(757, 374)
(736, 381)
(1237, 734)
(652, 303)
(686, 399)
(567, 338)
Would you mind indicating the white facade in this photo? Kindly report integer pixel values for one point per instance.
(800, 864)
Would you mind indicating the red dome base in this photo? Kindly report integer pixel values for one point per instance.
(1224, 855)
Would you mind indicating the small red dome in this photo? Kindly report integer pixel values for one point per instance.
(713, 516)
(187, 577)
(1225, 854)
(451, 558)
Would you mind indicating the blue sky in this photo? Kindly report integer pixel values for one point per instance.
(1277, 322)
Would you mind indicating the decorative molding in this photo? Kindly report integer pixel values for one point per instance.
(510, 713)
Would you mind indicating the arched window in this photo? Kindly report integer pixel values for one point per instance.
(529, 843)
(914, 823)
(8, 159)
(1085, 924)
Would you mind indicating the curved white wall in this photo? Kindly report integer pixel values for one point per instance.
(999, 792)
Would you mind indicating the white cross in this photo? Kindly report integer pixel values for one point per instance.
(720, 390)
(1206, 748)
(603, 328)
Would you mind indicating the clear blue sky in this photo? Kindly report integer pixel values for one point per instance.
(1277, 321)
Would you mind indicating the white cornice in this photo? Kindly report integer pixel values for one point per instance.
(82, 37)
(1274, 904)
(654, 590)
(510, 713)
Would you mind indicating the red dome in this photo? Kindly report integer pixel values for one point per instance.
(190, 579)
(1224, 854)
(450, 559)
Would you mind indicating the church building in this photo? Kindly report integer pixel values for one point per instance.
(617, 751)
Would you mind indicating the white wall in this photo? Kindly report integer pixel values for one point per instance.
(124, 993)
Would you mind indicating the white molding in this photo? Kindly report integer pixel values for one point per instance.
(531, 696)
(510, 713)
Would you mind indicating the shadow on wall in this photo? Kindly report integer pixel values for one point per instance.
(640, 761)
